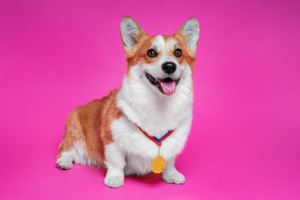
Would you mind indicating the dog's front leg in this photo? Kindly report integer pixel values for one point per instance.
(115, 163)
(171, 175)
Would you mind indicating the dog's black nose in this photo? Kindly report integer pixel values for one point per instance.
(169, 67)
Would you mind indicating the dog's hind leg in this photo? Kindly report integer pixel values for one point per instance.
(72, 147)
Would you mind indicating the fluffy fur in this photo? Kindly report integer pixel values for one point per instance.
(104, 133)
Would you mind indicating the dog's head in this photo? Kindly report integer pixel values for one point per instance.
(160, 61)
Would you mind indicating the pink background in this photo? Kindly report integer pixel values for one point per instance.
(244, 143)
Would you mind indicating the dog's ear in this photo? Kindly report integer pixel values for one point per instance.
(188, 33)
(131, 33)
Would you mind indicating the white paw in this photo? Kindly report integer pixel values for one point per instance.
(64, 162)
(114, 181)
(176, 178)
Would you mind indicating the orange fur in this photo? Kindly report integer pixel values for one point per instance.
(189, 54)
(90, 126)
(145, 43)
(138, 54)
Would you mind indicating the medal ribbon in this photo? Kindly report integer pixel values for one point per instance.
(155, 139)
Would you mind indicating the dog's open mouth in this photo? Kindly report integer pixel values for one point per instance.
(166, 86)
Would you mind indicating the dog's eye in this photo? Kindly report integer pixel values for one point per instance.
(178, 53)
(151, 53)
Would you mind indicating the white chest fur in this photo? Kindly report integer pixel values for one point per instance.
(155, 114)
(140, 150)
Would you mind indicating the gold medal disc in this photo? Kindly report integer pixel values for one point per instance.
(158, 164)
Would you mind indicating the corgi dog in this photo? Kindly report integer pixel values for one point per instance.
(149, 116)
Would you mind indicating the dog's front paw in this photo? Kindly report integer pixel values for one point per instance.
(176, 178)
(114, 181)
(64, 162)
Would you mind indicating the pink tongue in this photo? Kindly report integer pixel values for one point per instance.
(168, 87)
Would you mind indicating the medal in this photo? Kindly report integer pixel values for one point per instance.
(158, 164)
